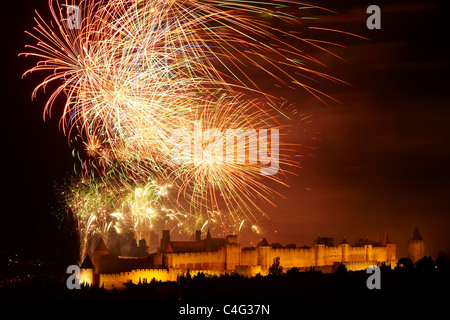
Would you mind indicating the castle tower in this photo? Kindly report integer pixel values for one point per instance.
(368, 249)
(87, 272)
(165, 240)
(99, 251)
(319, 254)
(263, 249)
(416, 247)
(391, 249)
(345, 247)
(208, 241)
(232, 253)
(198, 235)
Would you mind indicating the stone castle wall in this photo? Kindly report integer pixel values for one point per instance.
(230, 258)
(226, 258)
(319, 255)
(214, 260)
(118, 280)
(416, 250)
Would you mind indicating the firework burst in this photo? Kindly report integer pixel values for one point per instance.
(135, 72)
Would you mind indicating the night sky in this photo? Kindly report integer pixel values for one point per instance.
(380, 161)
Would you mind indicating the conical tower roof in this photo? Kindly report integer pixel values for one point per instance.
(263, 243)
(416, 235)
(101, 246)
(87, 263)
(388, 241)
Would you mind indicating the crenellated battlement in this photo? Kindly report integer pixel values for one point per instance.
(180, 257)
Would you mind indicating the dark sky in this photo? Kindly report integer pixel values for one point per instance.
(384, 153)
(381, 163)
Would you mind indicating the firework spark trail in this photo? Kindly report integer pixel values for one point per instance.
(129, 60)
(136, 72)
(103, 204)
(212, 176)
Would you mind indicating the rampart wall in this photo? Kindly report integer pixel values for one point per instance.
(230, 258)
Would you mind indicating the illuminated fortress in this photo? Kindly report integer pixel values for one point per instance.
(219, 256)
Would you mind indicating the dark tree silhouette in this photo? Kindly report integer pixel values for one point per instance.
(142, 249)
(404, 264)
(275, 269)
(277, 245)
(425, 264)
(341, 268)
(443, 261)
(328, 241)
(292, 272)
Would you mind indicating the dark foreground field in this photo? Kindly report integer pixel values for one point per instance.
(427, 281)
(402, 290)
